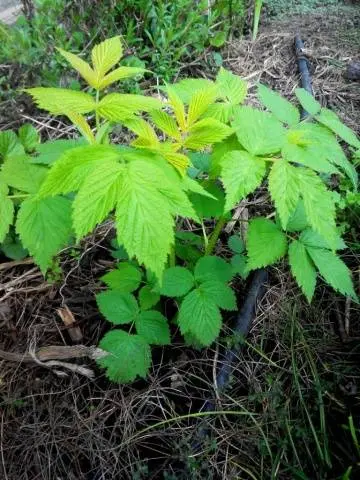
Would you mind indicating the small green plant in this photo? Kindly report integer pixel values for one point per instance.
(194, 155)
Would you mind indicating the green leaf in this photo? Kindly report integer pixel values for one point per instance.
(118, 307)
(207, 207)
(52, 150)
(218, 40)
(241, 174)
(298, 220)
(319, 204)
(280, 108)
(206, 132)
(6, 213)
(218, 152)
(44, 227)
(126, 278)
(147, 297)
(231, 87)
(129, 356)
(284, 189)
(106, 54)
(153, 327)
(260, 133)
(310, 156)
(120, 74)
(61, 101)
(265, 243)
(213, 268)
(166, 123)
(97, 196)
(333, 270)
(9, 144)
(144, 218)
(200, 316)
(199, 102)
(186, 88)
(302, 268)
(120, 106)
(70, 171)
(239, 266)
(312, 239)
(307, 101)
(19, 173)
(177, 281)
(29, 137)
(82, 67)
(236, 244)
(219, 293)
(13, 248)
(332, 121)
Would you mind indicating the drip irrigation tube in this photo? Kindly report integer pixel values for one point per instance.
(256, 289)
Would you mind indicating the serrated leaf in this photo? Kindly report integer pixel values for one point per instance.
(200, 163)
(81, 67)
(236, 244)
(29, 137)
(284, 189)
(165, 123)
(106, 54)
(125, 278)
(200, 316)
(206, 132)
(220, 294)
(265, 243)
(224, 112)
(186, 88)
(319, 204)
(121, 106)
(211, 267)
(13, 248)
(206, 206)
(44, 227)
(118, 307)
(333, 270)
(120, 74)
(153, 327)
(143, 217)
(231, 87)
(307, 101)
(302, 268)
(176, 282)
(177, 160)
(312, 239)
(69, 172)
(199, 102)
(82, 125)
(144, 130)
(278, 106)
(97, 196)
(239, 266)
(129, 356)
(218, 152)
(260, 133)
(9, 144)
(147, 297)
(309, 156)
(298, 220)
(6, 213)
(52, 150)
(19, 173)
(332, 121)
(178, 107)
(241, 174)
(61, 100)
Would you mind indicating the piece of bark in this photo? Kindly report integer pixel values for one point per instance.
(68, 318)
(353, 71)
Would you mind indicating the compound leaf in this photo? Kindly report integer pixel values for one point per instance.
(129, 356)
(241, 174)
(44, 226)
(153, 327)
(302, 268)
(265, 243)
(211, 267)
(177, 281)
(278, 106)
(118, 307)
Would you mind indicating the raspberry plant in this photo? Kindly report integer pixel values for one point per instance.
(195, 154)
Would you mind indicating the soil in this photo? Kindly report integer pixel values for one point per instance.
(61, 424)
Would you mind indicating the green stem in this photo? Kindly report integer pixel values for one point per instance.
(172, 257)
(23, 195)
(97, 119)
(257, 12)
(215, 236)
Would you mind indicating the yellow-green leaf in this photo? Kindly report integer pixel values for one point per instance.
(166, 123)
(106, 54)
(206, 132)
(80, 66)
(82, 125)
(119, 74)
(178, 107)
(199, 102)
(61, 100)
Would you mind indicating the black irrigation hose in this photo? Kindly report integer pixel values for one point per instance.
(257, 285)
